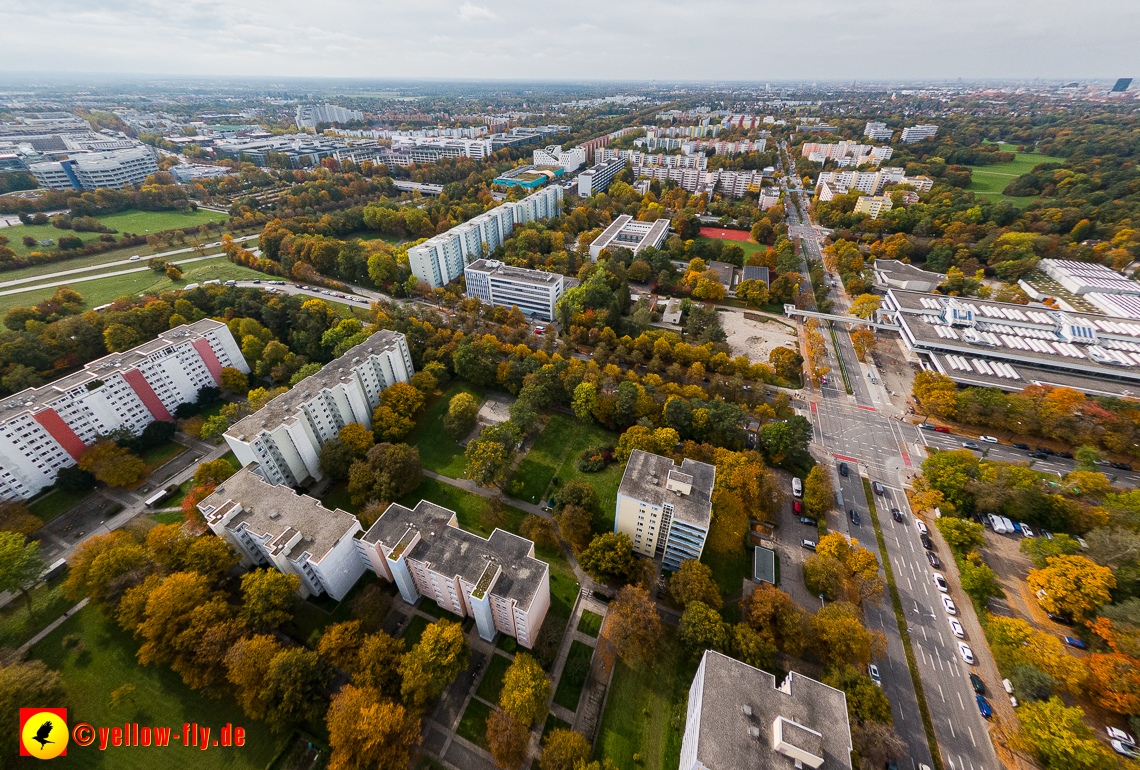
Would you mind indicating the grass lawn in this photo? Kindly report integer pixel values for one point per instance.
(137, 222)
(55, 502)
(473, 726)
(568, 693)
(17, 626)
(103, 290)
(992, 179)
(310, 620)
(438, 452)
(106, 663)
(728, 570)
(553, 723)
(749, 247)
(640, 710)
(492, 683)
(157, 456)
(337, 497)
(590, 623)
(374, 236)
(167, 517)
(414, 630)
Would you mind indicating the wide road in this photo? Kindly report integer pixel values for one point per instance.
(866, 431)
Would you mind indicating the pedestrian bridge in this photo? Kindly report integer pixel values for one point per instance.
(791, 311)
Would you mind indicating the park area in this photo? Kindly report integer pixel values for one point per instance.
(135, 222)
(991, 180)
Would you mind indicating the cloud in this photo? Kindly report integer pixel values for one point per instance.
(471, 12)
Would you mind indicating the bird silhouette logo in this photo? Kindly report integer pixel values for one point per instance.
(43, 733)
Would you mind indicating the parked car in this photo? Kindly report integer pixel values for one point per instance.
(1020, 446)
(941, 429)
(808, 544)
(797, 507)
(854, 516)
(1125, 749)
(843, 469)
(1065, 455)
(1120, 735)
(896, 515)
(940, 582)
(978, 685)
(984, 707)
(1025, 530)
(1122, 466)
(806, 520)
(934, 562)
(876, 487)
(1038, 455)
(957, 629)
(873, 672)
(948, 603)
(797, 487)
(970, 445)
(927, 543)
(988, 439)
(920, 525)
(1045, 450)
(1072, 641)
(926, 426)
(966, 653)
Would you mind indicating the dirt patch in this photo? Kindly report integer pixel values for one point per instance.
(754, 339)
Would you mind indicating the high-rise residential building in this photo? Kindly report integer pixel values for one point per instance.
(873, 205)
(597, 178)
(309, 115)
(878, 132)
(285, 436)
(97, 170)
(913, 134)
(664, 508)
(627, 233)
(441, 259)
(496, 580)
(47, 428)
(570, 160)
(534, 292)
(739, 718)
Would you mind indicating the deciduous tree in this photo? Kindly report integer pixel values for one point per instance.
(25, 683)
(526, 688)
(113, 465)
(268, 598)
(378, 663)
(1060, 738)
(506, 739)
(213, 472)
(702, 629)
(962, 535)
(575, 525)
(818, 494)
(432, 664)
(490, 456)
(693, 582)
(633, 626)
(841, 638)
(461, 413)
(20, 565)
(340, 644)
(565, 750)
(1072, 586)
(392, 419)
(865, 305)
(234, 380)
(294, 688)
(609, 558)
(357, 438)
(367, 730)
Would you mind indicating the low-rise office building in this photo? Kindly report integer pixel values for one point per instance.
(47, 428)
(97, 170)
(569, 160)
(597, 179)
(739, 718)
(496, 580)
(665, 509)
(534, 292)
(1087, 277)
(310, 115)
(285, 437)
(627, 233)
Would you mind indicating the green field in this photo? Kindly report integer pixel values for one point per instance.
(991, 180)
(749, 247)
(569, 693)
(53, 502)
(104, 290)
(492, 682)
(438, 452)
(473, 726)
(106, 663)
(137, 222)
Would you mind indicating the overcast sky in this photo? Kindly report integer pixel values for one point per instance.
(587, 39)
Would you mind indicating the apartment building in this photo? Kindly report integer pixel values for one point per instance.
(441, 147)
(729, 183)
(832, 183)
(534, 292)
(846, 153)
(664, 508)
(878, 132)
(912, 134)
(309, 115)
(47, 428)
(739, 718)
(285, 437)
(626, 233)
(873, 205)
(97, 170)
(441, 259)
(594, 144)
(496, 580)
(570, 160)
(724, 148)
(637, 159)
(597, 178)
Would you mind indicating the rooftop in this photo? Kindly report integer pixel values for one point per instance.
(284, 409)
(449, 550)
(656, 480)
(744, 715)
(521, 274)
(279, 513)
(723, 271)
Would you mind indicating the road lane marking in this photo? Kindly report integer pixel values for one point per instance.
(954, 735)
(960, 702)
(941, 643)
(941, 693)
(972, 740)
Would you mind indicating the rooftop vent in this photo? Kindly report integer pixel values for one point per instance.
(754, 732)
(747, 710)
(274, 514)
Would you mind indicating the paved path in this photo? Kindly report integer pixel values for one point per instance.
(51, 627)
(100, 276)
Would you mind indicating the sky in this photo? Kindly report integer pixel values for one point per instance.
(663, 40)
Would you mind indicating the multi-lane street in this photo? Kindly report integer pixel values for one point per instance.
(865, 430)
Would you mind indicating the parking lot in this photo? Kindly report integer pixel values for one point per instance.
(789, 533)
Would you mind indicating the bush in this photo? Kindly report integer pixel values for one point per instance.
(576, 671)
(595, 459)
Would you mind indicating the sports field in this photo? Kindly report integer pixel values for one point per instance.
(991, 180)
(749, 247)
(725, 235)
(137, 222)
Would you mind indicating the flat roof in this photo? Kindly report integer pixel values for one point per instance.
(449, 550)
(502, 270)
(764, 565)
(646, 476)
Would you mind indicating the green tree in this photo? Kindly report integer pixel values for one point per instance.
(693, 582)
(1060, 738)
(432, 664)
(818, 494)
(585, 400)
(20, 565)
(1041, 549)
(609, 558)
(268, 598)
(335, 459)
(702, 629)
(575, 525)
(824, 576)
(214, 472)
(294, 688)
(962, 535)
(378, 664)
(526, 689)
(489, 457)
(865, 700)
(748, 646)
(565, 750)
(461, 413)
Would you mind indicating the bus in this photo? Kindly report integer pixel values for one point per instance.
(160, 495)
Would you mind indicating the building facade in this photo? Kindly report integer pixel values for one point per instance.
(875, 205)
(309, 115)
(626, 233)
(496, 580)
(570, 160)
(534, 292)
(97, 171)
(912, 134)
(47, 428)
(597, 178)
(665, 509)
(441, 259)
(285, 437)
(878, 132)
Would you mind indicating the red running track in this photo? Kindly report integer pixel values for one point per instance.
(725, 235)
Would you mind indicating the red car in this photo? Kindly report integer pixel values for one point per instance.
(940, 429)
(797, 507)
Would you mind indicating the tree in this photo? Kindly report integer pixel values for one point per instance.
(693, 582)
(864, 342)
(489, 457)
(105, 566)
(778, 619)
(335, 459)
(1072, 586)
(1060, 738)
(75, 479)
(824, 576)
(368, 730)
(1030, 682)
(526, 688)
(25, 683)
(577, 491)
(540, 530)
(787, 363)
(112, 464)
(865, 305)
(432, 664)
(214, 472)
(234, 380)
(575, 525)
(1114, 681)
(20, 565)
(702, 629)
(170, 611)
(877, 743)
(962, 535)
(609, 558)
(506, 739)
(585, 400)
(786, 441)
(753, 291)
(268, 598)
(1041, 549)
(865, 700)
(340, 644)
(748, 646)
(461, 413)
(392, 419)
(841, 638)
(565, 750)
(660, 441)
(818, 494)
(173, 273)
(294, 688)
(388, 472)
(633, 626)
(378, 664)
(15, 516)
(118, 337)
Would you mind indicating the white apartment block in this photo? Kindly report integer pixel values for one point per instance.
(97, 171)
(847, 153)
(597, 178)
(496, 580)
(309, 115)
(878, 132)
(626, 233)
(451, 147)
(570, 160)
(873, 205)
(724, 148)
(285, 437)
(913, 134)
(832, 183)
(665, 509)
(729, 183)
(47, 428)
(636, 159)
(534, 292)
(441, 259)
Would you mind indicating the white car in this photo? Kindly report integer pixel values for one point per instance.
(1119, 735)
(135, 258)
(1025, 530)
(988, 439)
(941, 582)
(957, 629)
(948, 603)
(966, 653)
(920, 525)
(1126, 749)
(873, 672)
